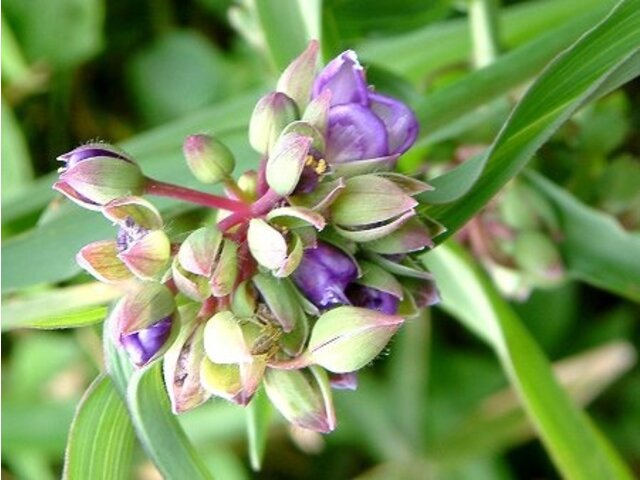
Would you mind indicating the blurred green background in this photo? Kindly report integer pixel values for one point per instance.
(438, 406)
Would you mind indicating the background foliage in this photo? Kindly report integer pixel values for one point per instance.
(484, 386)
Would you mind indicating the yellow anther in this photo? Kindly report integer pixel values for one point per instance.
(321, 166)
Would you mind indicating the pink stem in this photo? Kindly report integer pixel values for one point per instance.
(162, 189)
(259, 207)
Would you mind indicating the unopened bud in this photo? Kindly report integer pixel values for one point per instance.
(96, 173)
(209, 159)
(345, 339)
(272, 113)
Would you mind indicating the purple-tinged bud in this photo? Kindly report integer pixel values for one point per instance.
(271, 115)
(301, 398)
(209, 160)
(323, 275)
(145, 252)
(346, 338)
(424, 291)
(144, 320)
(181, 364)
(344, 381)
(101, 260)
(143, 345)
(273, 249)
(297, 79)
(373, 299)
(95, 174)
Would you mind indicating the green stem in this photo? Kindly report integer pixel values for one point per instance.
(483, 21)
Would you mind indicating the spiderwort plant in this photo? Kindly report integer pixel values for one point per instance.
(307, 273)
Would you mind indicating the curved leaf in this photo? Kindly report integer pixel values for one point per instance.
(601, 59)
(575, 445)
(101, 439)
(158, 429)
(595, 247)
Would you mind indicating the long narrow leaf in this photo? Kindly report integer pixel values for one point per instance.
(158, 429)
(576, 447)
(101, 439)
(607, 50)
(594, 245)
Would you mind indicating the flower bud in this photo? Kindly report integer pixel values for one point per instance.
(323, 275)
(224, 340)
(297, 79)
(271, 250)
(371, 207)
(234, 382)
(345, 339)
(248, 183)
(144, 321)
(301, 399)
(280, 296)
(287, 161)
(538, 258)
(272, 113)
(146, 253)
(101, 260)
(96, 173)
(372, 299)
(209, 159)
(182, 361)
(223, 278)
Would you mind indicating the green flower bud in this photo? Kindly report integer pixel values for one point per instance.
(272, 113)
(234, 382)
(345, 339)
(280, 296)
(223, 278)
(285, 164)
(224, 340)
(271, 250)
(370, 208)
(538, 258)
(209, 160)
(182, 361)
(297, 79)
(199, 252)
(248, 183)
(301, 398)
(101, 260)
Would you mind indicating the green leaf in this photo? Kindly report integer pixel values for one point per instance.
(601, 59)
(287, 30)
(67, 307)
(101, 439)
(258, 418)
(578, 450)
(158, 429)
(449, 42)
(584, 376)
(76, 26)
(594, 246)
(17, 171)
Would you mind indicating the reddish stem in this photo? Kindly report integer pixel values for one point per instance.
(259, 207)
(162, 189)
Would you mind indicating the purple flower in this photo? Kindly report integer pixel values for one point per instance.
(362, 124)
(373, 299)
(323, 275)
(143, 344)
(129, 233)
(97, 173)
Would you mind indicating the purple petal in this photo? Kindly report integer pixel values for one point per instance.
(323, 275)
(85, 152)
(129, 233)
(400, 122)
(373, 299)
(354, 133)
(142, 345)
(344, 77)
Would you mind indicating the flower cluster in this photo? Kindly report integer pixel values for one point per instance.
(307, 273)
